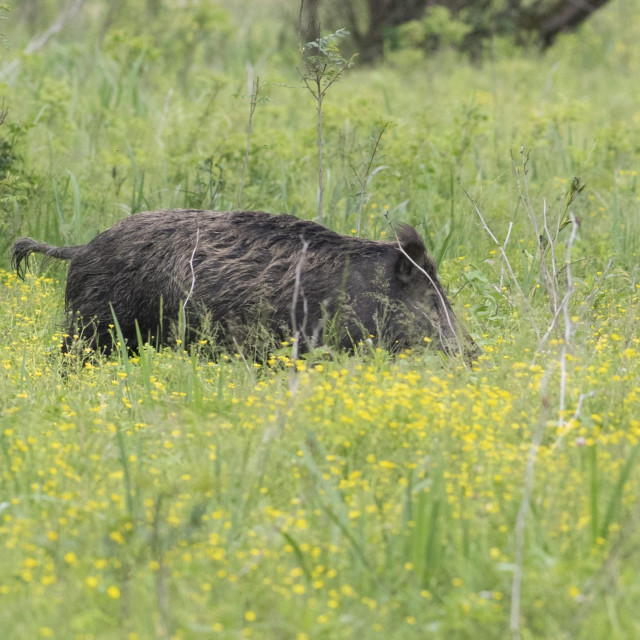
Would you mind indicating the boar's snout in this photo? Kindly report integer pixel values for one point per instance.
(452, 336)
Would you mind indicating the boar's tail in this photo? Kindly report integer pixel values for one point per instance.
(24, 247)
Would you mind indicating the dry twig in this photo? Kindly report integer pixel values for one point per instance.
(503, 253)
(39, 42)
(254, 88)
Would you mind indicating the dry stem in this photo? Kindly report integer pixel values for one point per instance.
(193, 277)
(365, 178)
(506, 262)
(298, 291)
(254, 88)
(521, 519)
(568, 329)
(38, 42)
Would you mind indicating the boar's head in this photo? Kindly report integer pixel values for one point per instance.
(424, 310)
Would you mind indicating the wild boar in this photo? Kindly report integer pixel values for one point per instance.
(232, 273)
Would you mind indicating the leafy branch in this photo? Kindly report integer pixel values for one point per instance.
(323, 67)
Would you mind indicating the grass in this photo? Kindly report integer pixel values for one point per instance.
(167, 494)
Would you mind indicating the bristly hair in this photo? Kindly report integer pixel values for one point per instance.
(238, 270)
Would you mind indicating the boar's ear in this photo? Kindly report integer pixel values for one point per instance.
(413, 246)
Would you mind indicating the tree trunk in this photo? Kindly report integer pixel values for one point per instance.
(309, 21)
(565, 16)
(486, 17)
(385, 14)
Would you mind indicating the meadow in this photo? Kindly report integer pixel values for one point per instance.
(169, 494)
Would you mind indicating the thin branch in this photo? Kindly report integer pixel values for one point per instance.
(163, 624)
(525, 199)
(335, 78)
(568, 329)
(574, 417)
(521, 518)
(244, 360)
(553, 278)
(309, 87)
(506, 260)
(319, 144)
(596, 287)
(38, 42)
(298, 335)
(193, 273)
(502, 269)
(365, 178)
(552, 325)
(298, 291)
(254, 88)
(63, 19)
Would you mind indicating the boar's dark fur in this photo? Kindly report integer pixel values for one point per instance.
(234, 271)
